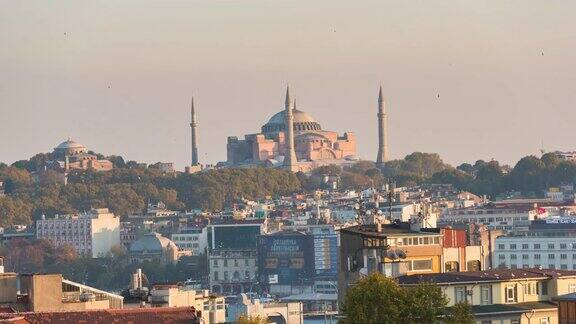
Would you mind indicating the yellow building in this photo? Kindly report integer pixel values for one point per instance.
(391, 249)
(515, 296)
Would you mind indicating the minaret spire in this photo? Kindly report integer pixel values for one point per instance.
(290, 160)
(382, 130)
(193, 135)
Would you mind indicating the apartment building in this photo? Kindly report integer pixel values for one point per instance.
(507, 219)
(91, 233)
(391, 249)
(549, 243)
(194, 239)
(516, 296)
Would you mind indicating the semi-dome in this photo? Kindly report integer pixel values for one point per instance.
(302, 122)
(151, 243)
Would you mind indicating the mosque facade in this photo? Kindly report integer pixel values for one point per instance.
(312, 145)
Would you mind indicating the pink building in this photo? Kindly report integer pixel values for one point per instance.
(314, 146)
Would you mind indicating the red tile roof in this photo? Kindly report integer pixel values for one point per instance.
(158, 315)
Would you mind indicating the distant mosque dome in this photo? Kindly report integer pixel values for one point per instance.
(152, 243)
(70, 147)
(302, 122)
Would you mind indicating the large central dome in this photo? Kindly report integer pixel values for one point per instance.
(302, 122)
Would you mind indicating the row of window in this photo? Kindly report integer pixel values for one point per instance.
(184, 238)
(216, 263)
(235, 275)
(414, 240)
(536, 265)
(537, 246)
(187, 245)
(56, 232)
(537, 256)
(63, 224)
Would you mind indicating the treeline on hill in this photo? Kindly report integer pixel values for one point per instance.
(531, 175)
(127, 188)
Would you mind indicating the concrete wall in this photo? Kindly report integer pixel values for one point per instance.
(105, 234)
(7, 287)
(44, 291)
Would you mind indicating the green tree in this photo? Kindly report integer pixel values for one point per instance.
(423, 304)
(377, 299)
(374, 299)
(461, 313)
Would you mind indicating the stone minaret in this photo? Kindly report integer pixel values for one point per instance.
(193, 125)
(290, 161)
(382, 130)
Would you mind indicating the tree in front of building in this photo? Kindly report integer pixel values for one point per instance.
(461, 313)
(377, 299)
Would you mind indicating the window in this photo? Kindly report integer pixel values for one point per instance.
(486, 295)
(513, 256)
(544, 287)
(215, 275)
(524, 256)
(529, 288)
(235, 262)
(246, 262)
(501, 247)
(225, 262)
(551, 256)
(501, 256)
(564, 267)
(563, 256)
(551, 266)
(215, 263)
(512, 246)
(571, 288)
(524, 246)
(459, 294)
(510, 294)
(536, 256)
(247, 274)
(550, 246)
(419, 265)
(563, 246)
(226, 275)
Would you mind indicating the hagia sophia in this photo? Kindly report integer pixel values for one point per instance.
(313, 145)
(294, 140)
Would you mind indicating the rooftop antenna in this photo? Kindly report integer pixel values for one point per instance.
(542, 151)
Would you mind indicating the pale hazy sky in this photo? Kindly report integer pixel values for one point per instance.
(499, 96)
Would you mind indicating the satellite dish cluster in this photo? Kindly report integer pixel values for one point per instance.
(396, 255)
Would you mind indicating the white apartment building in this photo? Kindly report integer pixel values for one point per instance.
(193, 239)
(506, 219)
(535, 251)
(91, 233)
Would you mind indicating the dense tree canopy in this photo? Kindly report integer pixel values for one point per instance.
(129, 186)
(377, 299)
